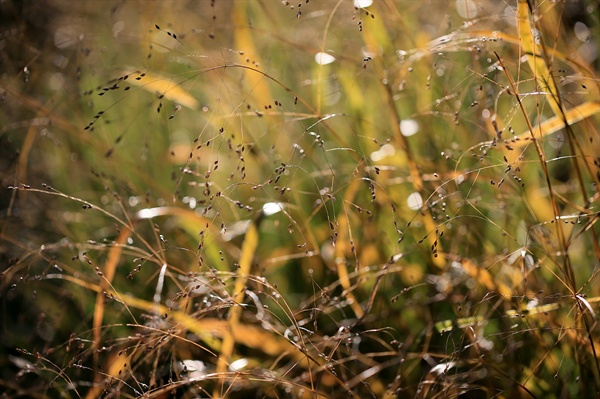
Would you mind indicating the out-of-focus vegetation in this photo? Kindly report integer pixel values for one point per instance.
(314, 199)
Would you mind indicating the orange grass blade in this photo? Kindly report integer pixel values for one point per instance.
(114, 255)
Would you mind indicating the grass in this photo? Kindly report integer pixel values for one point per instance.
(195, 203)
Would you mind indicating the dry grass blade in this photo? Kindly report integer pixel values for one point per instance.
(212, 331)
(342, 250)
(482, 276)
(536, 57)
(110, 267)
(557, 122)
(154, 83)
(239, 291)
(253, 79)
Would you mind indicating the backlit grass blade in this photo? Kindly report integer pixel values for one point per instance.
(248, 249)
(482, 276)
(244, 40)
(341, 250)
(556, 123)
(163, 86)
(535, 56)
(110, 267)
(209, 330)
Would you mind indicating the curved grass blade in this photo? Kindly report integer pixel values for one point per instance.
(535, 56)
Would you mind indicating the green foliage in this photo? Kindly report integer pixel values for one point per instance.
(317, 199)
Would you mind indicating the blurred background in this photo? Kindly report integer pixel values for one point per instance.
(299, 199)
